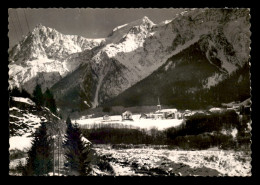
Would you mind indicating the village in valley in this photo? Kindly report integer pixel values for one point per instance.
(161, 118)
(113, 92)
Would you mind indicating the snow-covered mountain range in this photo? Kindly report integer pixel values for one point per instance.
(44, 56)
(88, 72)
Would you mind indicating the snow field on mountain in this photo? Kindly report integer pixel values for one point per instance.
(225, 64)
(160, 124)
(119, 27)
(70, 43)
(213, 80)
(20, 74)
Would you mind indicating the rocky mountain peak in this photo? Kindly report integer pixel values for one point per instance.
(44, 32)
(45, 42)
(38, 27)
(146, 20)
(143, 22)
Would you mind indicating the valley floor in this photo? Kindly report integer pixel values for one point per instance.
(150, 161)
(159, 161)
(160, 124)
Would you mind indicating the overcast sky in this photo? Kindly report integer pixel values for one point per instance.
(89, 23)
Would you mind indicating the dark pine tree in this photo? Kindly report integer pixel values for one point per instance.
(25, 94)
(17, 93)
(39, 160)
(49, 101)
(76, 151)
(38, 96)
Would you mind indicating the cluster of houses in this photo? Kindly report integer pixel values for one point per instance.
(164, 114)
(159, 114)
(176, 114)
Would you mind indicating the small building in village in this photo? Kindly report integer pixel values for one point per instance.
(179, 115)
(157, 116)
(215, 109)
(163, 113)
(187, 113)
(106, 117)
(166, 113)
(127, 115)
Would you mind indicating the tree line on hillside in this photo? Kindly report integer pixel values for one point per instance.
(234, 88)
(201, 123)
(19, 93)
(179, 94)
(45, 99)
(40, 156)
(204, 131)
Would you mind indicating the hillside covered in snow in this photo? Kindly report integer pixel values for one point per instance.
(24, 119)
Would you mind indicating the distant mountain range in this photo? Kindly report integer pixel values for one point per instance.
(177, 60)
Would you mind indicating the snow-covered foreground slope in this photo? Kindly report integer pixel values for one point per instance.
(24, 119)
(136, 123)
(149, 161)
(23, 142)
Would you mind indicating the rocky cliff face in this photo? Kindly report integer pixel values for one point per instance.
(44, 42)
(45, 56)
(103, 69)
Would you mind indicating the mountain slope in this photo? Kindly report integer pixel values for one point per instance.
(86, 84)
(143, 48)
(186, 78)
(45, 42)
(45, 56)
(135, 50)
